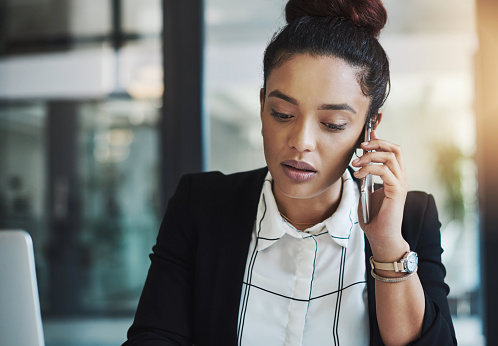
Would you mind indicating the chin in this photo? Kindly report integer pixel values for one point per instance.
(301, 191)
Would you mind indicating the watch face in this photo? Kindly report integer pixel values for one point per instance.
(411, 262)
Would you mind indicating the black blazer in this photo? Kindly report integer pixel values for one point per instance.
(192, 292)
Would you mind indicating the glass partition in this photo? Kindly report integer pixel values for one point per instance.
(23, 178)
(118, 143)
(117, 165)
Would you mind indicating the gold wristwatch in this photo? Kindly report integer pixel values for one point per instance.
(408, 264)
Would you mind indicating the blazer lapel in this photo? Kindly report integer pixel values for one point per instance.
(235, 229)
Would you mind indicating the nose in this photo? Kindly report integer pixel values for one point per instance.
(302, 137)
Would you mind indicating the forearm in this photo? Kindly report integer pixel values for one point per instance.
(400, 310)
(400, 305)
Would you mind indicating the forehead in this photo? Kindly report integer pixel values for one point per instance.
(319, 79)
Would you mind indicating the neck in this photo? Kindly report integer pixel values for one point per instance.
(303, 213)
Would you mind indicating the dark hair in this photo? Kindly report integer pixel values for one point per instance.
(346, 29)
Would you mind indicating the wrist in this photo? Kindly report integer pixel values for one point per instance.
(389, 251)
(407, 264)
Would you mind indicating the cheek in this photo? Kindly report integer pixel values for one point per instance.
(341, 149)
(350, 147)
(269, 143)
(272, 137)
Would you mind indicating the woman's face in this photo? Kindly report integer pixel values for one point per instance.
(312, 112)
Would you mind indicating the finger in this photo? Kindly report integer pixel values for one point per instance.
(373, 135)
(382, 145)
(391, 182)
(383, 157)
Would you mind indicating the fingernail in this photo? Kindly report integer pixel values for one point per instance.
(356, 161)
(365, 143)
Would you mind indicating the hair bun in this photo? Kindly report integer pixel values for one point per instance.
(367, 14)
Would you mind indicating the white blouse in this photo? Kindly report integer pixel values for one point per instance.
(305, 288)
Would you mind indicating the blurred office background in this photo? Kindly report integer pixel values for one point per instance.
(88, 156)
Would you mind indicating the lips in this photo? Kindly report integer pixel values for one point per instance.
(298, 170)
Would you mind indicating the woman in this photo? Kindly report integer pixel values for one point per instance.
(281, 255)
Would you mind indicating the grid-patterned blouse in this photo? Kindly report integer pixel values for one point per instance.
(305, 288)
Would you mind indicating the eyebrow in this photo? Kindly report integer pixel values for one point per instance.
(281, 95)
(338, 107)
(335, 107)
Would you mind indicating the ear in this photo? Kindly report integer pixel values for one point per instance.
(377, 119)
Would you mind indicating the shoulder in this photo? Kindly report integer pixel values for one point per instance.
(216, 186)
(418, 204)
(420, 217)
(216, 177)
(213, 198)
(209, 181)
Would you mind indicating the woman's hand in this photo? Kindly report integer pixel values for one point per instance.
(387, 203)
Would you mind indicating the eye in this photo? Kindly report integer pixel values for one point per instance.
(280, 116)
(335, 127)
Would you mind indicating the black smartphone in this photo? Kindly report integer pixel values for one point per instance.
(367, 184)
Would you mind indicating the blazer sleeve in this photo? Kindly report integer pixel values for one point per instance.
(165, 311)
(437, 327)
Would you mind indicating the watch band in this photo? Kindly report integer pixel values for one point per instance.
(392, 266)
